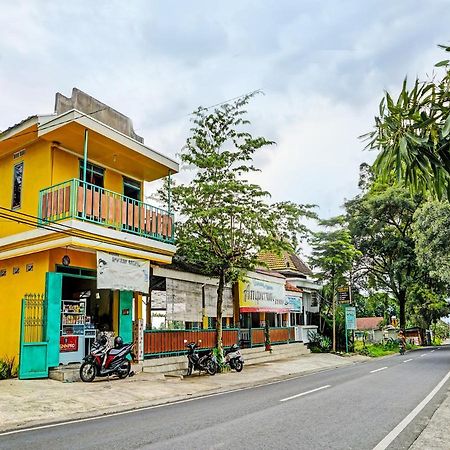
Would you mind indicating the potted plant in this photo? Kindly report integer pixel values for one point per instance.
(267, 337)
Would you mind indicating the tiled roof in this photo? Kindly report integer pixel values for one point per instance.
(368, 323)
(284, 262)
(290, 287)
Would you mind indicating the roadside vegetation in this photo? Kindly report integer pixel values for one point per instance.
(8, 368)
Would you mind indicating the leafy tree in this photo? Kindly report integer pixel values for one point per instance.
(432, 235)
(375, 304)
(228, 221)
(332, 256)
(380, 222)
(412, 135)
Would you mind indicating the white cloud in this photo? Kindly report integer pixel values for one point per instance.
(323, 65)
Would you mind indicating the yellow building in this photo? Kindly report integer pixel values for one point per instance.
(72, 186)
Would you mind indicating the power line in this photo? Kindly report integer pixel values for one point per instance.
(61, 228)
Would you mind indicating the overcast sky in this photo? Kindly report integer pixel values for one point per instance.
(323, 66)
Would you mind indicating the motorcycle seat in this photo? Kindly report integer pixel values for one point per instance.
(115, 351)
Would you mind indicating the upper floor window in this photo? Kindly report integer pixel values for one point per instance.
(94, 174)
(131, 188)
(17, 186)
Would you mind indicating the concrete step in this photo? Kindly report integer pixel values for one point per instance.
(70, 373)
(177, 365)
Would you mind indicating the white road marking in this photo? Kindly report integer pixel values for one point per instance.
(146, 408)
(382, 445)
(423, 355)
(377, 370)
(407, 360)
(432, 351)
(305, 393)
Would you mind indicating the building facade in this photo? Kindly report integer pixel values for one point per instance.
(75, 228)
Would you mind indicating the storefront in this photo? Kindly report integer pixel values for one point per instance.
(262, 298)
(88, 301)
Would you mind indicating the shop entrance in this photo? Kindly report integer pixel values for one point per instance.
(85, 310)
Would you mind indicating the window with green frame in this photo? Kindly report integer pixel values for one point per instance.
(94, 174)
(131, 188)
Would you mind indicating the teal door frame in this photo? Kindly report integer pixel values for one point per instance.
(125, 316)
(33, 342)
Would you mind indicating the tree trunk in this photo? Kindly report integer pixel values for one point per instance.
(402, 304)
(220, 289)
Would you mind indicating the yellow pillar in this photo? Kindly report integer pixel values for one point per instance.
(115, 312)
(138, 309)
(205, 322)
(262, 318)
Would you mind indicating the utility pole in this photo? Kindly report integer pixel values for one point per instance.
(334, 320)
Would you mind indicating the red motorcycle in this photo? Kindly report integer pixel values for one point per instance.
(103, 361)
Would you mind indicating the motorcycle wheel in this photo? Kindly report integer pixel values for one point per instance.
(211, 367)
(238, 365)
(87, 372)
(124, 370)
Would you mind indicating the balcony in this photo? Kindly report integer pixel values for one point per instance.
(76, 199)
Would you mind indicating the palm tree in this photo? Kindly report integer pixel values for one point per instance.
(412, 135)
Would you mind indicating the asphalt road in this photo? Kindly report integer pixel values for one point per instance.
(353, 407)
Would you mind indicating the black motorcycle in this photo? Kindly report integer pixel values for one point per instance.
(233, 358)
(202, 361)
(103, 362)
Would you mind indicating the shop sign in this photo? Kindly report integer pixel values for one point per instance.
(122, 273)
(262, 296)
(350, 318)
(68, 344)
(343, 294)
(294, 303)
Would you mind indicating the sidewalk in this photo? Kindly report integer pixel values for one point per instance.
(435, 435)
(31, 402)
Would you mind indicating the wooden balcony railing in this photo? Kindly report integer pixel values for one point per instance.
(84, 201)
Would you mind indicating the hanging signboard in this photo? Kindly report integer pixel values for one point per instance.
(350, 318)
(122, 273)
(258, 295)
(343, 294)
(294, 303)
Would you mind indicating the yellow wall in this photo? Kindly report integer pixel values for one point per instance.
(65, 166)
(77, 258)
(12, 290)
(36, 176)
(44, 166)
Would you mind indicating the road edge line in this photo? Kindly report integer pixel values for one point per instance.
(390, 437)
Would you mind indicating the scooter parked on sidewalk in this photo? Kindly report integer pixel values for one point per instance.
(234, 358)
(103, 361)
(205, 361)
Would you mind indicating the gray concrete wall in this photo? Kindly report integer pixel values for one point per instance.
(87, 104)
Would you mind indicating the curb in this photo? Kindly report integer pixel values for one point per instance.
(117, 410)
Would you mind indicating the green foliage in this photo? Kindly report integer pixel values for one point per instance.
(441, 331)
(380, 222)
(333, 253)
(412, 135)
(376, 350)
(376, 304)
(8, 368)
(267, 342)
(228, 221)
(432, 235)
(319, 343)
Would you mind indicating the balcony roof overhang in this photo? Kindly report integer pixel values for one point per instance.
(105, 145)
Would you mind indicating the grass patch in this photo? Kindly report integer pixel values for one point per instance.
(376, 350)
